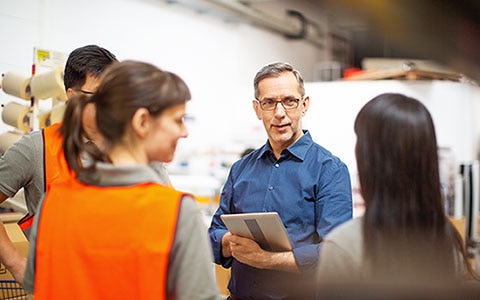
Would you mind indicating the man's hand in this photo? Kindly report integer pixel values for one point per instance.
(249, 252)
(226, 252)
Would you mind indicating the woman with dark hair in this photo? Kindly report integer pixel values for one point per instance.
(114, 231)
(404, 237)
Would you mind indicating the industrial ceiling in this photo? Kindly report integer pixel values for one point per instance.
(447, 31)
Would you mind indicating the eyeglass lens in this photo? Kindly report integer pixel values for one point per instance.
(287, 103)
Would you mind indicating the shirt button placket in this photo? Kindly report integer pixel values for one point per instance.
(270, 187)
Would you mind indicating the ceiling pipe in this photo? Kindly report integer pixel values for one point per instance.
(258, 18)
(270, 22)
(303, 30)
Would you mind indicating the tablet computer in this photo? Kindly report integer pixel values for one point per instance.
(265, 228)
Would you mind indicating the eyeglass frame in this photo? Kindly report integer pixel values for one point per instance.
(88, 93)
(297, 100)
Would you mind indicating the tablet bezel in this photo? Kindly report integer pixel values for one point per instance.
(272, 235)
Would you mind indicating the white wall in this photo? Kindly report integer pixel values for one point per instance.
(453, 106)
(334, 106)
(218, 61)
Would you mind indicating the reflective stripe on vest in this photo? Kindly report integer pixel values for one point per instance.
(105, 243)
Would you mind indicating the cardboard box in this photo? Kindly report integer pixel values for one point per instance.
(8, 289)
(459, 224)
(223, 276)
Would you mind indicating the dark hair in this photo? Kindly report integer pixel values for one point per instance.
(274, 70)
(247, 151)
(407, 235)
(83, 61)
(125, 87)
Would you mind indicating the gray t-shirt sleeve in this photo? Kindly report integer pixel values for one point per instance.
(21, 166)
(191, 273)
(341, 256)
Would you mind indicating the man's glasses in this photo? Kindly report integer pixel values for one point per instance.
(287, 103)
(88, 93)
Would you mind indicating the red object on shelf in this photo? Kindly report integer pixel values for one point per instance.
(351, 71)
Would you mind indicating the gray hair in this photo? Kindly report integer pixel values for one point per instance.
(274, 70)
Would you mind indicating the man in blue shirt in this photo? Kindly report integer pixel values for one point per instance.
(308, 186)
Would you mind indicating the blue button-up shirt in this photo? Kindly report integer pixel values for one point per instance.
(311, 191)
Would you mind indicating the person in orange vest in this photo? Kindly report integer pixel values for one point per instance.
(23, 165)
(36, 160)
(121, 233)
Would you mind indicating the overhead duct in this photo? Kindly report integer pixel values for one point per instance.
(242, 12)
(303, 30)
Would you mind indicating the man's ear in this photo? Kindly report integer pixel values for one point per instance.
(256, 108)
(305, 105)
(70, 93)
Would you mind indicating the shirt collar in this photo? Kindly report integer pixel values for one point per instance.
(107, 174)
(298, 149)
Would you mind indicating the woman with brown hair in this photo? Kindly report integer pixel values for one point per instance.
(115, 231)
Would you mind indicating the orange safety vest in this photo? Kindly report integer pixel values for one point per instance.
(105, 242)
(54, 165)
